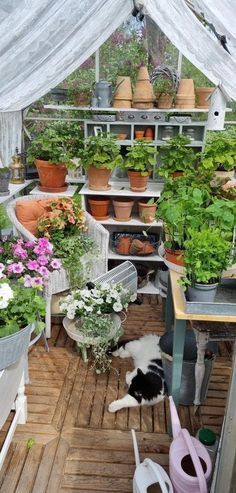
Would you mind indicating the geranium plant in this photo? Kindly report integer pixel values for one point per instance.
(19, 307)
(30, 260)
(102, 298)
(175, 156)
(141, 157)
(101, 151)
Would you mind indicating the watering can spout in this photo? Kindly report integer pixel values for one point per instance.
(175, 423)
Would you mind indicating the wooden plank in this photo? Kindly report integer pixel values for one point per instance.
(112, 393)
(6, 463)
(147, 419)
(48, 400)
(45, 467)
(45, 391)
(63, 401)
(122, 415)
(15, 467)
(76, 394)
(101, 469)
(30, 469)
(159, 421)
(134, 418)
(99, 400)
(57, 468)
(83, 417)
(113, 484)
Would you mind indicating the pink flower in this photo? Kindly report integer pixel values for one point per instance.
(37, 281)
(16, 268)
(55, 264)
(2, 267)
(43, 271)
(42, 260)
(27, 281)
(32, 265)
(29, 244)
(20, 252)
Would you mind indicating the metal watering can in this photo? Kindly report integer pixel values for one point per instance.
(190, 463)
(103, 93)
(149, 477)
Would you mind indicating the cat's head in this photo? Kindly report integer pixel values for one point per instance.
(138, 386)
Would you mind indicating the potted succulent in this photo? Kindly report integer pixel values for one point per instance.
(163, 88)
(219, 155)
(176, 158)
(52, 151)
(208, 253)
(99, 156)
(4, 181)
(20, 311)
(140, 160)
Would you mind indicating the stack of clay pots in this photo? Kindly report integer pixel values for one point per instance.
(123, 93)
(143, 95)
(185, 97)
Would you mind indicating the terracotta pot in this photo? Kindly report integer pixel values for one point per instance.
(143, 93)
(224, 174)
(52, 176)
(142, 105)
(165, 101)
(176, 174)
(123, 88)
(123, 245)
(123, 209)
(186, 88)
(138, 183)
(98, 178)
(122, 103)
(149, 133)
(201, 94)
(147, 212)
(82, 99)
(99, 207)
(139, 134)
(175, 256)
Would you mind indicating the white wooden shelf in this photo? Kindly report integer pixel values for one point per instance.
(14, 190)
(151, 258)
(68, 193)
(134, 221)
(150, 288)
(121, 189)
(63, 107)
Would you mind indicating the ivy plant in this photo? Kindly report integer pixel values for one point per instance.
(101, 151)
(175, 156)
(141, 157)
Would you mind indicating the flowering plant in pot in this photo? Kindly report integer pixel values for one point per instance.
(208, 253)
(176, 157)
(99, 156)
(94, 310)
(20, 311)
(140, 161)
(53, 151)
(64, 224)
(220, 153)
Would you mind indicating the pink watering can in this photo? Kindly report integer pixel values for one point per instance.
(190, 463)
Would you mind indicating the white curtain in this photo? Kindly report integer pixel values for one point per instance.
(192, 39)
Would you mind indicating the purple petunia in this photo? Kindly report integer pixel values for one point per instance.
(55, 263)
(28, 281)
(43, 271)
(37, 281)
(42, 260)
(32, 265)
(16, 268)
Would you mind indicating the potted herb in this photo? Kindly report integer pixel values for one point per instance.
(4, 181)
(52, 151)
(163, 88)
(207, 254)
(147, 210)
(20, 307)
(140, 160)
(100, 155)
(220, 153)
(176, 158)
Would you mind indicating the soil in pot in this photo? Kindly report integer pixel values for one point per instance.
(99, 207)
(202, 292)
(147, 212)
(52, 176)
(175, 256)
(138, 183)
(99, 178)
(123, 209)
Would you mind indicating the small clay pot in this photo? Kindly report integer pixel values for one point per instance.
(123, 245)
(51, 176)
(123, 209)
(175, 256)
(138, 183)
(149, 133)
(99, 207)
(147, 212)
(99, 178)
(139, 134)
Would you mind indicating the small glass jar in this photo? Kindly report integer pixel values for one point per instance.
(190, 133)
(168, 132)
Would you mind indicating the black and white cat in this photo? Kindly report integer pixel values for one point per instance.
(146, 382)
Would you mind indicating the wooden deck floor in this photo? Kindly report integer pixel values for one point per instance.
(77, 445)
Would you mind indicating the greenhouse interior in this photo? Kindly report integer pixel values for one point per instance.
(117, 246)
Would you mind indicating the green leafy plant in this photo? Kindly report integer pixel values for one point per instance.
(4, 221)
(141, 157)
(101, 151)
(57, 143)
(19, 307)
(220, 151)
(163, 86)
(4, 172)
(207, 253)
(175, 156)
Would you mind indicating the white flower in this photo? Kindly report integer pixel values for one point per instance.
(99, 301)
(88, 308)
(117, 307)
(133, 297)
(80, 304)
(6, 294)
(85, 293)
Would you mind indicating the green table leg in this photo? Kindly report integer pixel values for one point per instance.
(169, 312)
(178, 350)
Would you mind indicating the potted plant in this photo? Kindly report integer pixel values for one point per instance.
(140, 160)
(219, 155)
(176, 158)
(94, 311)
(208, 253)
(100, 155)
(20, 307)
(163, 88)
(147, 210)
(4, 181)
(52, 151)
